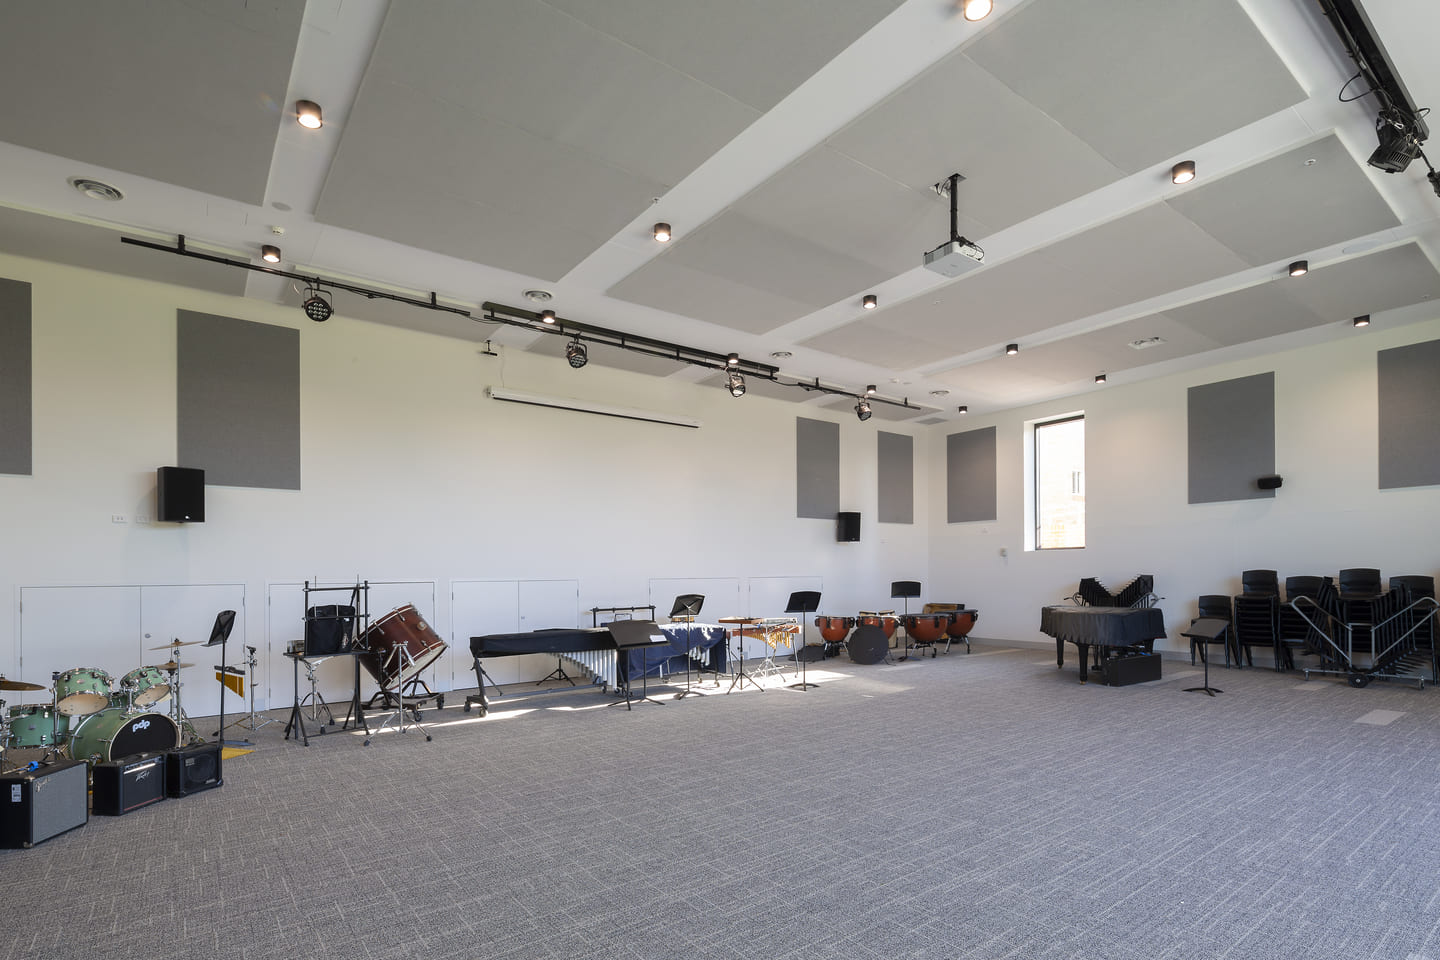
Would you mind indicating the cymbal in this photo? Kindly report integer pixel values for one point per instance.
(18, 685)
(178, 643)
(172, 665)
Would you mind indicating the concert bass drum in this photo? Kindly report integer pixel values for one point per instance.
(868, 644)
(117, 732)
(399, 647)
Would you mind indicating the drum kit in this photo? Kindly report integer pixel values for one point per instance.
(92, 718)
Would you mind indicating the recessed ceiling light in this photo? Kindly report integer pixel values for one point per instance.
(662, 232)
(1299, 268)
(963, 409)
(870, 390)
(1361, 321)
(1011, 349)
(870, 301)
(940, 393)
(270, 253)
(96, 190)
(733, 360)
(975, 9)
(547, 316)
(307, 114)
(1099, 378)
(781, 355)
(1183, 172)
(539, 296)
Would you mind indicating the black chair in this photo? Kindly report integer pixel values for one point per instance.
(1360, 587)
(1411, 589)
(1217, 607)
(1295, 633)
(1260, 582)
(1255, 625)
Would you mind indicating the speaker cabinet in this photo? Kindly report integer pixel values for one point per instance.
(1269, 483)
(180, 495)
(36, 805)
(192, 769)
(119, 786)
(847, 527)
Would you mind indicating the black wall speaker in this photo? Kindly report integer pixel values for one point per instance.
(847, 527)
(36, 805)
(180, 495)
(1269, 483)
(119, 786)
(192, 769)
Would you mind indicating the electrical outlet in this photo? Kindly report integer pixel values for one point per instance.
(117, 518)
(141, 519)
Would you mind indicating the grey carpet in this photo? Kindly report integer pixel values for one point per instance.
(981, 806)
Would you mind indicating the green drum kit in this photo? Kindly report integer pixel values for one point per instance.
(91, 718)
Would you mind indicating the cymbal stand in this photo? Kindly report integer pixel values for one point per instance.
(401, 656)
(188, 733)
(741, 676)
(315, 698)
(250, 722)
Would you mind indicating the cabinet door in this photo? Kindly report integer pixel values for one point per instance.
(187, 613)
(770, 595)
(66, 627)
(478, 608)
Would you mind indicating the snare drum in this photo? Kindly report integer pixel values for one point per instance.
(117, 732)
(36, 725)
(145, 686)
(399, 647)
(82, 691)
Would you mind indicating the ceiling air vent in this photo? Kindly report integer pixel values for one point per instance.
(96, 190)
(1144, 342)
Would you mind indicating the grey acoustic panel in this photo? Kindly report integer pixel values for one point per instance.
(1230, 438)
(1282, 207)
(970, 476)
(222, 67)
(1409, 407)
(238, 400)
(817, 469)
(1153, 83)
(16, 443)
(895, 477)
(553, 345)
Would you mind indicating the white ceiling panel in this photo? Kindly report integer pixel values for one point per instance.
(870, 342)
(1106, 350)
(1139, 81)
(188, 93)
(553, 345)
(1252, 313)
(1304, 199)
(1376, 282)
(667, 284)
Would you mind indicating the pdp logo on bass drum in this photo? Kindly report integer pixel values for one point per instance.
(139, 725)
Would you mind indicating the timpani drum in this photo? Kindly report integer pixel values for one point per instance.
(82, 691)
(399, 647)
(833, 630)
(926, 627)
(961, 622)
(883, 619)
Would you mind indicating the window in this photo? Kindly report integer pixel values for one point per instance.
(1059, 492)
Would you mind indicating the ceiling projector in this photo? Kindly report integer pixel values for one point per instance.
(954, 257)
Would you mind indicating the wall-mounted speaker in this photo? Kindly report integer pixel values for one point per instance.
(1269, 483)
(847, 527)
(180, 495)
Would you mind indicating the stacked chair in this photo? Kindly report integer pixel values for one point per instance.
(1257, 615)
(1216, 606)
(1295, 633)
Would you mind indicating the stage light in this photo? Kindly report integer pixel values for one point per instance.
(1099, 378)
(976, 9)
(662, 233)
(862, 410)
(870, 301)
(964, 408)
(307, 114)
(316, 307)
(547, 316)
(733, 360)
(1011, 349)
(1399, 144)
(1299, 268)
(270, 253)
(576, 353)
(735, 383)
(1361, 321)
(1183, 172)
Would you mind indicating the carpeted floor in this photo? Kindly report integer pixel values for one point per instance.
(971, 806)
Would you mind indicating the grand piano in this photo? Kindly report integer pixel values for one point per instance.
(1134, 628)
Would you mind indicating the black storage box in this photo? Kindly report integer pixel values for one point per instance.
(119, 786)
(1132, 668)
(36, 805)
(192, 769)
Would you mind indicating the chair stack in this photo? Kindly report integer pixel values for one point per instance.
(1413, 588)
(1216, 606)
(1295, 633)
(1359, 590)
(1257, 614)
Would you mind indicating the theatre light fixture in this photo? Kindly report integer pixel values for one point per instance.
(862, 409)
(735, 383)
(576, 353)
(316, 307)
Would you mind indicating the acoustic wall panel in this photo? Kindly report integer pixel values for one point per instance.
(15, 430)
(1231, 438)
(1409, 403)
(896, 477)
(238, 399)
(970, 476)
(817, 469)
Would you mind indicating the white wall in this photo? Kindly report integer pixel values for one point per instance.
(410, 474)
(1329, 513)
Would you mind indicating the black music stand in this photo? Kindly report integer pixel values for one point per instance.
(219, 636)
(1207, 630)
(628, 635)
(905, 589)
(803, 602)
(687, 607)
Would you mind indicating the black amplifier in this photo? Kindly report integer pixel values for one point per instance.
(1132, 668)
(192, 769)
(39, 804)
(119, 786)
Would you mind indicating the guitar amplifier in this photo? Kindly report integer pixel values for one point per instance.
(36, 805)
(192, 769)
(1132, 668)
(119, 786)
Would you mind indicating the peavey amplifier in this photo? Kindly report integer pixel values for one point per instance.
(192, 769)
(119, 786)
(39, 804)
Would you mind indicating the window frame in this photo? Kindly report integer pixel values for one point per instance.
(1036, 517)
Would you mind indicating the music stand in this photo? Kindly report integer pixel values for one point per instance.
(628, 635)
(906, 589)
(220, 635)
(687, 607)
(1207, 630)
(803, 602)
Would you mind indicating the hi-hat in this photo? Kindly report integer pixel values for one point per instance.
(172, 665)
(18, 685)
(178, 643)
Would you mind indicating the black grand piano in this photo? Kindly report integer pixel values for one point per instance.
(1130, 628)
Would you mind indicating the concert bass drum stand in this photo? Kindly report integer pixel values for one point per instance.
(1207, 630)
(687, 608)
(803, 602)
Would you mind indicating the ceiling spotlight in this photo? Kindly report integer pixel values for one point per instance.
(547, 316)
(576, 353)
(270, 253)
(1183, 172)
(1361, 321)
(1099, 378)
(964, 409)
(975, 9)
(870, 301)
(735, 383)
(1399, 141)
(316, 307)
(862, 410)
(307, 114)
(733, 360)
(870, 390)
(1011, 349)
(1299, 268)
(662, 233)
